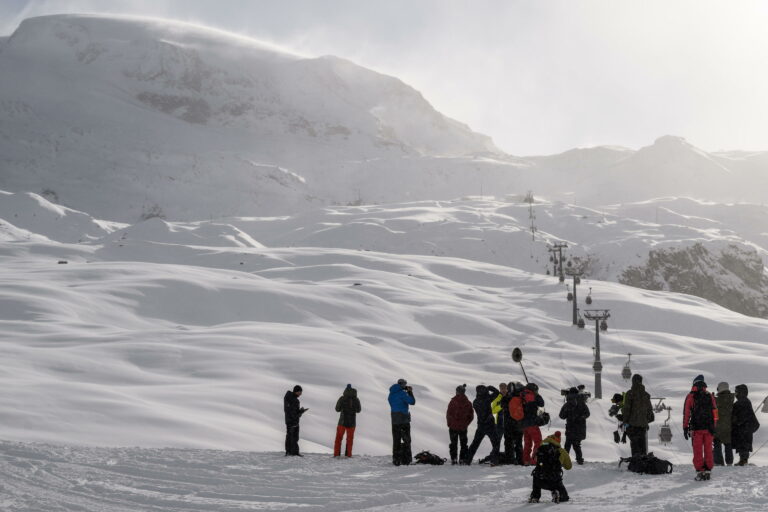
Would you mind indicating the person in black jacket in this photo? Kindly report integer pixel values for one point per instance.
(575, 413)
(743, 424)
(486, 426)
(293, 412)
(348, 405)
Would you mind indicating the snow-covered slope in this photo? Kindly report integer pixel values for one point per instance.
(128, 117)
(165, 334)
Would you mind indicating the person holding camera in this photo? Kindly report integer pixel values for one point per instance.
(530, 423)
(400, 398)
(575, 413)
(486, 424)
(617, 401)
(458, 416)
(293, 412)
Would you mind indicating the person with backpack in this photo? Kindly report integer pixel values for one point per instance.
(531, 433)
(513, 431)
(458, 416)
(486, 426)
(699, 420)
(348, 405)
(722, 441)
(400, 397)
(551, 459)
(638, 413)
(575, 413)
(743, 424)
(293, 412)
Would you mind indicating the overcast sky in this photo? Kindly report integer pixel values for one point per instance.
(538, 76)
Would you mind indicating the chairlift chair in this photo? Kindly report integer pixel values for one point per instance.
(626, 372)
(665, 431)
(562, 278)
(588, 300)
(577, 280)
(603, 325)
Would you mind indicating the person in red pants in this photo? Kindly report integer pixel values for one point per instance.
(699, 422)
(348, 405)
(531, 433)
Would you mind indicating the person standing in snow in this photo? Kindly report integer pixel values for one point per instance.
(400, 398)
(548, 474)
(699, 421)
(575, 413)
(638, 413)
(486, 425)
(723, 428)
(458, 416)
(293, 412)
(743, 424)
(348, 405)
(530, 423)
(513, 430)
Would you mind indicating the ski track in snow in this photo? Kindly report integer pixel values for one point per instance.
(57, 478)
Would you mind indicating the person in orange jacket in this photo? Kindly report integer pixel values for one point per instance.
(699, 422)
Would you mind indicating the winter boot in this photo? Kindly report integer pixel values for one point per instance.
(699, 476)
(707, 475)
(742, 462)
(555, 497)
(454, 462)
(533, 500)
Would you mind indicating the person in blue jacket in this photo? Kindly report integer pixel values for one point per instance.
(400, 397)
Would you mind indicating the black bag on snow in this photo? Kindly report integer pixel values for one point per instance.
(428, 458)
(647, 464)
(548, 466)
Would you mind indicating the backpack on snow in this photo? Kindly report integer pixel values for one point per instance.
(647, 464)
(428, 458)
(548, 466)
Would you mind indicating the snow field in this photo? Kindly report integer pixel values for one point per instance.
(56, 478)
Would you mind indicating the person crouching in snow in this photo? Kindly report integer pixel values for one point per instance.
(548, 474)
(700, 417)
(348, 405)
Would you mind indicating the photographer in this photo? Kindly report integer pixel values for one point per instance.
(486, 424)
(400, 397)
(575, 413)
(616, 411)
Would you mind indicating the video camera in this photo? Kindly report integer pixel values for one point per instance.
(583, 393)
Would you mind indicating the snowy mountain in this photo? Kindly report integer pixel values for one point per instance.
(128, 117)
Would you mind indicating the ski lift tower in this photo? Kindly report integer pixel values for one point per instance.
(576, 281)
(599, 316)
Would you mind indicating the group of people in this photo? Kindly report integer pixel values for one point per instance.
(513, 413)
(716, 425)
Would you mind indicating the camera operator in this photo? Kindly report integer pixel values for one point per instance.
(575, 413)
(400, 397)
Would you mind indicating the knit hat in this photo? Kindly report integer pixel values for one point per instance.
(460, 390)
(698, 378)
(297, 389)
(532, 386)
(480, 389)
(557, 435)
(742, 390)
(637, 379)
(723, 386)
(402, 383)
(349, 386)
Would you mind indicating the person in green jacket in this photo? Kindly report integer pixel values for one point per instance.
(722, 439)
(551, 459)
(638, 413)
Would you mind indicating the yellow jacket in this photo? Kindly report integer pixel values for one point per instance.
(565, 459)
(496, 406)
